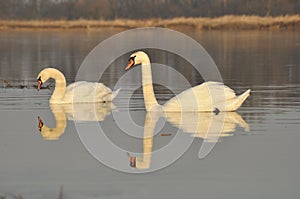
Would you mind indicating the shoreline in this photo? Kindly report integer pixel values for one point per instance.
(229, 22)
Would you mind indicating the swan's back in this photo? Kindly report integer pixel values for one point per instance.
(85, 92)
(207, 97)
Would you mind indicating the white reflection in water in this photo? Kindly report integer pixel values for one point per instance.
(84, 112)
(265, 61)
(207, 126)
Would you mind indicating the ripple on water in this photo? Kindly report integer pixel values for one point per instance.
(23, 99)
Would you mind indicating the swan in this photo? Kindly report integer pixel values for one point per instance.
(86, 92)
(83, 112)
(207, 97)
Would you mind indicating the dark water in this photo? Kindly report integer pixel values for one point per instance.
(260, 163)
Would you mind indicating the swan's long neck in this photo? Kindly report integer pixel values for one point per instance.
(60, 86)
(149, 96)
(144, 162)
(61, 124)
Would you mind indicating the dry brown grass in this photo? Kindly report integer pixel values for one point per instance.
(220, 23)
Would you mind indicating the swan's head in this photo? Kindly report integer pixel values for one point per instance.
(132, 160)
(137, 58)
(46, 74)
(41, 124)
(40, 83)
(42, 77)
(46, 132)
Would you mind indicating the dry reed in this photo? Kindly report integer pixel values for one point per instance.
(228, 22)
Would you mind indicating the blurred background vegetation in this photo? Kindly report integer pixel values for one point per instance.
(141, 9)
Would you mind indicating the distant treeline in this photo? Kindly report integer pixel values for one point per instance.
(142, 9)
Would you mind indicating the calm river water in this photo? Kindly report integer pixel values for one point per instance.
(256, 157)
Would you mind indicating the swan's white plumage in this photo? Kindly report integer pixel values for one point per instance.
(83, 91)
(207, 97)
(78, 92)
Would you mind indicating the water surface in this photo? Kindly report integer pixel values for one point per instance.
(261, 162)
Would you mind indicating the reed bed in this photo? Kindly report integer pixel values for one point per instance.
(229, 22)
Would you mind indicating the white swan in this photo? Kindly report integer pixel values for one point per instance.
(207, 97)
(85, 92)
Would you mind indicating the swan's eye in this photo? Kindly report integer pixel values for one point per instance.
(132, 58)
(39, 79)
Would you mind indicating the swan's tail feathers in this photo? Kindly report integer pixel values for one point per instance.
(115, 93)
(241, 98)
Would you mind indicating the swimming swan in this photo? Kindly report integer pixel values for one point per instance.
(85, 92)
(206, 97)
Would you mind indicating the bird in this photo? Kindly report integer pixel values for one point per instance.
(209, 96)
(78, 92)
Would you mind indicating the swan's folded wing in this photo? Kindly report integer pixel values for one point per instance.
(205, 97)
(87, 92)
(70, 87)
(219, 91)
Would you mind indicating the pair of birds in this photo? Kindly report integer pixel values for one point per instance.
(206, 97)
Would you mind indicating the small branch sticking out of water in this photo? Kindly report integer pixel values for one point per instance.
(61, 192)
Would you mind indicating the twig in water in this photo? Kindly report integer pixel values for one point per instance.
(61, 192)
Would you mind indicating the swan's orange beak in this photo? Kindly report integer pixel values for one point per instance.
(133, 162)
(40, 83)
(41, 124)
(130, 64)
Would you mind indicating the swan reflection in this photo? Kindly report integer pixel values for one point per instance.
(85, 112)
(144, 162)
(207, 126)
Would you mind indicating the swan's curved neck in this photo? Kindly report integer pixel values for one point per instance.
(60, 86)
(61, 124)
(148, 91)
